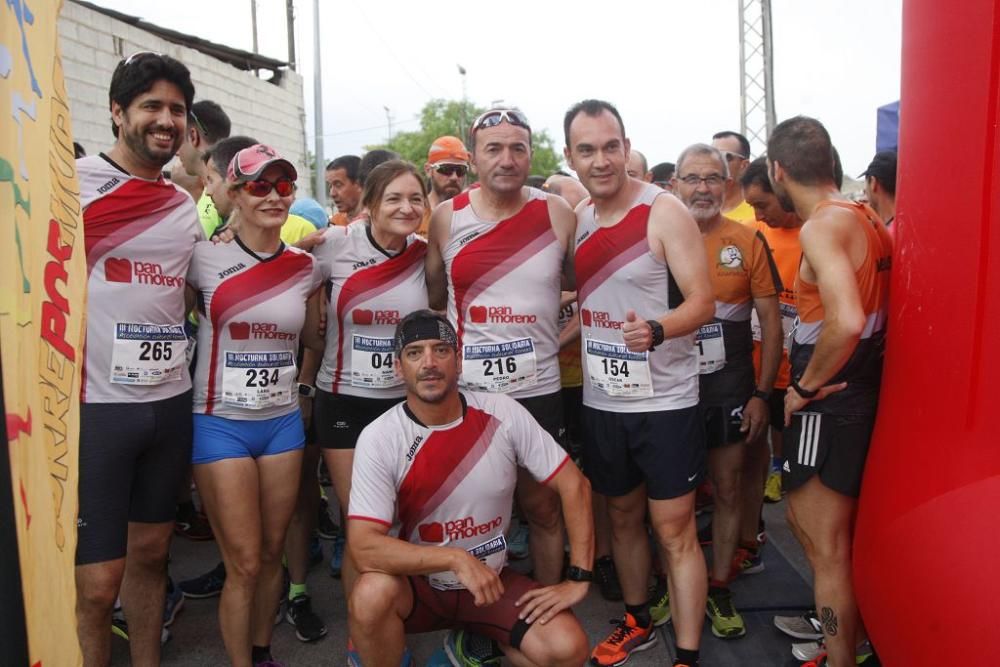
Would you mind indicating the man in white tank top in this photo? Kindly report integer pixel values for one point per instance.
(643, 290)
(495, 260)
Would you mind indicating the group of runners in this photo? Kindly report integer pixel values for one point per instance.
(426, 368)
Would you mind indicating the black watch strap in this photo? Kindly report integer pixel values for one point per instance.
(574, 573)
(762, 395)
(804, 393)
(657, 330)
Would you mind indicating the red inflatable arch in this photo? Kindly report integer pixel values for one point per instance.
(927, 550)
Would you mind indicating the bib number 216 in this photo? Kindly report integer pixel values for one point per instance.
(499, 366)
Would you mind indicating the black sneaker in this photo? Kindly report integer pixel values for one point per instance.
(607, 579)
(207, 585)
(192, 524)
(325, 527)
(308, 626)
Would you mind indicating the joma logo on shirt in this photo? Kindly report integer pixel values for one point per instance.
(361, 265)
(459, 529)
(413, 447)
(231, 270)
(121, 270)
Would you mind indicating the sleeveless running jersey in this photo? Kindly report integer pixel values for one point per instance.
(741, 269)
(139, 237)
(615, 272)
(787, 253)
(368, 292)
(252, 308)
(503, 296)
(450, 485)
(863, 370)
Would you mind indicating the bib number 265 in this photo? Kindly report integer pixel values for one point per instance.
(155, 351)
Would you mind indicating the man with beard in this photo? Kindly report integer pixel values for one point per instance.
(734, 407)
(842, 291)
(439, 470)
(639, 255)
(135, 412)
(446, 168)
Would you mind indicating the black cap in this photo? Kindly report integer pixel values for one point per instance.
(883, 167)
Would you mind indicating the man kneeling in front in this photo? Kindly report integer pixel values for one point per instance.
(433, 484)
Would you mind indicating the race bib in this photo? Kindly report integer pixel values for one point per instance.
(371, 363)
(148, 354)
(258, 380)
(499, 367)
(493, 554)
(616, 371)
(711, 348)
(788, 315)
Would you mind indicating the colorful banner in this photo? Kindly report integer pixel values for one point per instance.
(42, 282)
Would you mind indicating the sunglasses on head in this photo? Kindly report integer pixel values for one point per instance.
(262, 188)
(494, 117)
(459, 170)
(139, 55)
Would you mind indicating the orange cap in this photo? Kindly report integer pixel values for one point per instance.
(448, 149)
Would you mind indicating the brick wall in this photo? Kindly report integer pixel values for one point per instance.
(92, 44)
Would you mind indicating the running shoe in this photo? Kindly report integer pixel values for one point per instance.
(119, 626)
(659, 608)
(628, 638)
(337, 557)
(172, 604)
(207, 585)
(299, 614)
(863, 654)
(772, 487)
(726, 621)
(806, 626)
(325, 527)
(746, 561)
(468, 649)
(354, 660)
(192, 524)
(606, 577)
(819, 661)
(517, 546)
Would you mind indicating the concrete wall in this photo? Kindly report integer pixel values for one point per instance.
(92, 44)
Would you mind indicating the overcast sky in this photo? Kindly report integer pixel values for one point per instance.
(672, 68)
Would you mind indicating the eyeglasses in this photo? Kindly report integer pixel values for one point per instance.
(712, 180)
(459, 170)
(201, 126)
(139, 54)
(731, 156)
(494, 117)
(285, 187)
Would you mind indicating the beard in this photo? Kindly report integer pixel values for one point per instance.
(136, 139)
(446, 191)
(703, 214)
(786, 202)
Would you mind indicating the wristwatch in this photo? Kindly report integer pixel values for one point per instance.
(307, 390)
(574, 573)
(657, 329)
(803, 392)
(762, 395)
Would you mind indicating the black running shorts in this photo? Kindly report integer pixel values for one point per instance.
(338, 419)
(722, 424)
(776, 407)
(832, 446)
(664, 449)
(133, 458)
(547, 411)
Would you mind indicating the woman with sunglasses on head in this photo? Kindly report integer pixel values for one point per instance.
(376, 276)
(248, 434)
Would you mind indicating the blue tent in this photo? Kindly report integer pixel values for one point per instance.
(887, 128)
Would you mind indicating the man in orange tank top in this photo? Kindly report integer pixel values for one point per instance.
(836, 359)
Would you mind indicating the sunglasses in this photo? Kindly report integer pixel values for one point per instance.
(459, 170)
(140, 54)
(285, 187)
(197, 121)
(496, 116)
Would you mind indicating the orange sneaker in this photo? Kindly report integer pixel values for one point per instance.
(625, 640)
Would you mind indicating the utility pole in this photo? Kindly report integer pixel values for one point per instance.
(253, 21)
(757, 115)
(290, 23)
(388, 121)
(319, 159)
(463, 127)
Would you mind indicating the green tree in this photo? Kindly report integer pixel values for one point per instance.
(440, 117)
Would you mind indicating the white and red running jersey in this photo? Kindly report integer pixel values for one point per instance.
(616, 271)
(139, 236)
(251, 311)
(368, 292)
(503, 297)
(450, 485)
